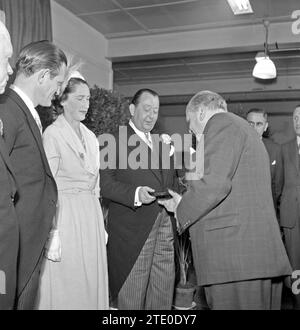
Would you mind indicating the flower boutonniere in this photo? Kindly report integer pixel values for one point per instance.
(167, 140)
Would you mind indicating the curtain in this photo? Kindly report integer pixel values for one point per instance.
(27, 21)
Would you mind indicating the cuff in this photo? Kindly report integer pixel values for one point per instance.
(137, 201)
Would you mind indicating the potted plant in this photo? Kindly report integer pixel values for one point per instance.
(107, 111)
(184, 290)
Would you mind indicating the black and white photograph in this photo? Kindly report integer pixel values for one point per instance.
(149, 158)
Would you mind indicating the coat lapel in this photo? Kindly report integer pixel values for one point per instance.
(293, 154)
(158, 149)
(152, 155)
(71, 139)
(33, 127)
(5, 156)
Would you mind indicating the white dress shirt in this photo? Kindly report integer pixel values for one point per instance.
(29, 105)
(146, 137)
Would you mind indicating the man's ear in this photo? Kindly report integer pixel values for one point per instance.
(266, 127)
(42, 75)
(132, 109)
(62, 103)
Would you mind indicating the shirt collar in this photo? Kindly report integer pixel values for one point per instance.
(140, 133)
(23, 96)
(29, 105)
(298, 140)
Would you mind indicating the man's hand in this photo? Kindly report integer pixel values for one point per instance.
(172, 203)
(144, 196)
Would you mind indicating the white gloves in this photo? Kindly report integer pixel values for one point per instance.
(53, 246)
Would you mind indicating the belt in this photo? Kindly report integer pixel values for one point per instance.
(77, 191)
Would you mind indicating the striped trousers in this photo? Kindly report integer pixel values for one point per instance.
(150, 284)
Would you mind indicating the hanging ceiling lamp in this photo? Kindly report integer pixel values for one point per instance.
(264, 68)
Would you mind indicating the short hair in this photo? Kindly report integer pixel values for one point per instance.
(70, 88)
(40, 55)
(257, 110)
(208, 100)
(297, 106)
(137, 96)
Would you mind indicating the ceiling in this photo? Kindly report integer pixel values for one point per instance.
(205, 67)
(121, 19)
(124, 18)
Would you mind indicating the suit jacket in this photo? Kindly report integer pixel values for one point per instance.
(229, 211)
(290, 198)
(276, 169)
(9, 233)
(37, 192)
(129, 226)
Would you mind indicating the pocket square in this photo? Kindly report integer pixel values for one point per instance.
(274, 162)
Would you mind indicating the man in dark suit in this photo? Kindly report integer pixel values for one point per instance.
(40, 70)
(290, 199)
(140, 244)
(9, 232)
(238, 253)
(258, 119)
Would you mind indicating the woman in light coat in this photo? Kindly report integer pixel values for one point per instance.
(75, 272)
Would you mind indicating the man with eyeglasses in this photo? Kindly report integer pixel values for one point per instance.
(258, 119)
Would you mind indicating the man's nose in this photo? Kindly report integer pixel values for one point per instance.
(151, 115)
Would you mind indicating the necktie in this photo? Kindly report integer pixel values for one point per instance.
(148, 138)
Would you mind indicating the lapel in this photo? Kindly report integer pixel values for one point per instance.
(32, 126)
(294, 155)
(152, 155)
(68, 135)
(156, 156)
(5, 156)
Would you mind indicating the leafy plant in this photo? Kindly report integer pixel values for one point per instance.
(108, 110)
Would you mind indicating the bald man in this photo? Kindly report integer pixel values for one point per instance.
(258, 119)
(8, 220)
